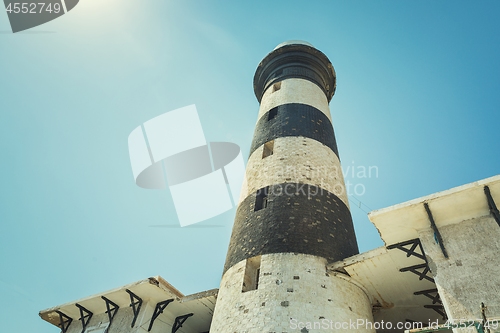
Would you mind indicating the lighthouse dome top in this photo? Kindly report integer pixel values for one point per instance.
(295, 59)
(293, 42)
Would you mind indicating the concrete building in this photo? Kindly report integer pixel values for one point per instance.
(293, 263)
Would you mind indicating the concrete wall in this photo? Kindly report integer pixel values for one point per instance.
(471, 274)
(292, 289)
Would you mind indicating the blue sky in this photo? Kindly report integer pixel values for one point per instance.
(417, 97)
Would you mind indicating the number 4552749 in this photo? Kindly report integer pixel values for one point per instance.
(33, 8)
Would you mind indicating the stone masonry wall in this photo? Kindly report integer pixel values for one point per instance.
(471, 274)
(296, 160)
(295, 91)
(294, 291)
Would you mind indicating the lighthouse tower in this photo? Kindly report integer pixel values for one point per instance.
(293, 216)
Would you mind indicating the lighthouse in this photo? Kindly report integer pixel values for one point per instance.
(293, 216)
(293, 263)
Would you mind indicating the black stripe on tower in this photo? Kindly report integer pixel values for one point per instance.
(295, 61)
(294, 119)
(292, 218)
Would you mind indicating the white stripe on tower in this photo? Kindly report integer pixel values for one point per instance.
(294, 91)
(295, 160)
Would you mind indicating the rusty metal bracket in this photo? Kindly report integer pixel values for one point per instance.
(158, 311)
(135, 303)
(437, 234)
(112, 309)
(421, 275)
(415, 243)
(65, 321)
(430, 293)
(484, 323)
(491, 204)
(421, 270)
(85, 316)
(179, 321)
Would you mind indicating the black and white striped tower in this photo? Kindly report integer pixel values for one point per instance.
(293, 216)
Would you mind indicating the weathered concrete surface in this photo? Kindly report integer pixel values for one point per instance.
(471, 274)
(468, 274)
(292, 289)
(151, 291)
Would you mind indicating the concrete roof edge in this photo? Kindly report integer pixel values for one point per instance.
(200, 295)
(157, 280)
(357, 258)
(167, 286)
(430, 197)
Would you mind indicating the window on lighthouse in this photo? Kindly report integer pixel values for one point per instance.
(252, 272)
(268, 149)
(261, 198)
(276, 86)
(272, 113)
